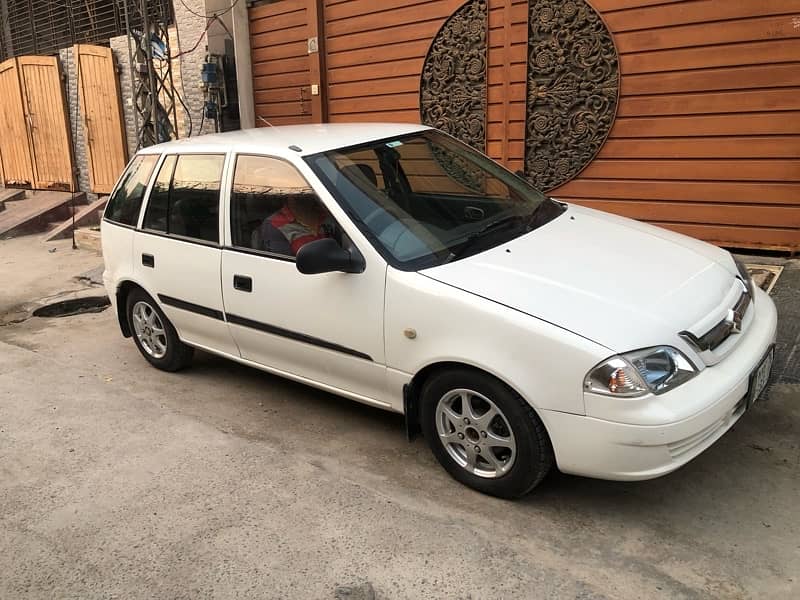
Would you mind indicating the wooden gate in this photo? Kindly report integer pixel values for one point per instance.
(288, 84)
(48, 126)
(16, 165)
(102, 117)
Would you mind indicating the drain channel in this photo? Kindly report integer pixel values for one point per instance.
(76, 306)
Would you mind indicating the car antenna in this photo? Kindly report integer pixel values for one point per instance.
(265, 121)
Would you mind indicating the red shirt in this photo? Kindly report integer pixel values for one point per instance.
(295, 232)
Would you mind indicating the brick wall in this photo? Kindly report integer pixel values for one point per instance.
(119, 46)
(77, 132)
(189, 29)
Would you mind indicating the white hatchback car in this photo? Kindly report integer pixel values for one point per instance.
(393, 265)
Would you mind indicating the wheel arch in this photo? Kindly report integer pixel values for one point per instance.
(123, 291)
(413, 389)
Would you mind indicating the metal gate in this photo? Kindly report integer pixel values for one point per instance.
(102, 117)
(36, 152)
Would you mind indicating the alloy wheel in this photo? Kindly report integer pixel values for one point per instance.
(475, 433)
(149, 329)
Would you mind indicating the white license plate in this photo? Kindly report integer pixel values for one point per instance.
(760, 377)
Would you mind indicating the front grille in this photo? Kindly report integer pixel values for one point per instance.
(716, 336)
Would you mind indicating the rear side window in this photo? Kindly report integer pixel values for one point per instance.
(184, 200)
(124, 205)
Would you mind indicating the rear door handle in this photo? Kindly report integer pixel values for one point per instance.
(148, 260)
(243, 283)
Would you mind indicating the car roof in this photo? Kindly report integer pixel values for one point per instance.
(277, 140)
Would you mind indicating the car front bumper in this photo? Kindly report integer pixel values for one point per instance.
(611, 450)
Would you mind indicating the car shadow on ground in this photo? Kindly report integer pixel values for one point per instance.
(374, 439)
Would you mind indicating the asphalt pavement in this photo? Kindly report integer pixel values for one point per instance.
(121, 481)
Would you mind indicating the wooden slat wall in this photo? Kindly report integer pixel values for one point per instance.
(374, 55)
(707, 138)
(281, 67)
(508, 55)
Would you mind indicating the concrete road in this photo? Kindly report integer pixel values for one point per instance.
(120, 481)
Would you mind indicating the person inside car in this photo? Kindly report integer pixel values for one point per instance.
(300, 221)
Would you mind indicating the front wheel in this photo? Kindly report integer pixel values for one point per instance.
(484, 434)
(154, 335)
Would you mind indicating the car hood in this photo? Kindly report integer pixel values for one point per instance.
(620, 283)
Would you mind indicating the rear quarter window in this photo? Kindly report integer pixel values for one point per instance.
(184, 200)
(125, 203)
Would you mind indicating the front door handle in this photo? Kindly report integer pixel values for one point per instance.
(148, 260)
(243, 283)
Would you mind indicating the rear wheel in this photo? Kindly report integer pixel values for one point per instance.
(484, 434)
(154, 335)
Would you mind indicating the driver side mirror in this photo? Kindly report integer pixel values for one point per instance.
(327, 256)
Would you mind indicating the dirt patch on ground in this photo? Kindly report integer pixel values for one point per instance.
(31, 269)
(37, 273)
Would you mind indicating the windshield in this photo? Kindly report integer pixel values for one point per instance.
(425, 199)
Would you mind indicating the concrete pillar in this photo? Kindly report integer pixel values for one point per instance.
(244, 70)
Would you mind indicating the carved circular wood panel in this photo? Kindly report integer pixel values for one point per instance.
(453, 84)
(572, 90)
(572, 85)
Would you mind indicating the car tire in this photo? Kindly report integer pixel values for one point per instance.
(500, 447)
(154, 334)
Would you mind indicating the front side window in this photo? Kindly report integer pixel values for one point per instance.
(125, 203)
(425, 199)
(273, 208)
(184, 200)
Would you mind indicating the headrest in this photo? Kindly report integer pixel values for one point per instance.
(360, 171)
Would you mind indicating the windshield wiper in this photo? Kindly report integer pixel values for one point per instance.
(547, 210)
(493, 227)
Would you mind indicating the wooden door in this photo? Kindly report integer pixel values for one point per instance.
(102, 118)
(279, 38)
(48, 126)
(16, 166)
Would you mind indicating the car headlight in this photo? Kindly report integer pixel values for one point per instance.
(652, 370)
(745, 276)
